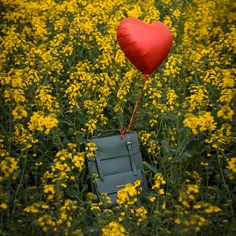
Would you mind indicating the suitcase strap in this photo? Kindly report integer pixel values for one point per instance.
(99, 166)
(131, 157)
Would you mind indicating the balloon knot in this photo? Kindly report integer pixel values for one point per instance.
(122, 133)
(145, 77)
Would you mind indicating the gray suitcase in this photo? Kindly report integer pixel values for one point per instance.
(117, 162)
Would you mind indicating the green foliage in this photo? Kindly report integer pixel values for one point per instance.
(63, 77)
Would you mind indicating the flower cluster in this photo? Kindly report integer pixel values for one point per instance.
(64, 169)
(40, 122)
(8, 164)
(193, 213)
(128, 195)
(113, 228)
(158, 183)
(203, 122)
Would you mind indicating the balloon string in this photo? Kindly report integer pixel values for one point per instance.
(137, 102)
(123, 130)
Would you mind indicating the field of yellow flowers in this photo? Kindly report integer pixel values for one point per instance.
(64, 77)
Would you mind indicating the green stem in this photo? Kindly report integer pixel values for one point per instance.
(225, 185)
(21, 179)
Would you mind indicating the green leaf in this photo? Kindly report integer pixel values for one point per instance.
(187, 154)
(165, 147)
(71, 192)
(150, 167)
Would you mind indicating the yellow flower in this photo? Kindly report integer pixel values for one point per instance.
(40, 122)
(191, 122)
(31, 209)
(19, 112)
(197, 206)
(3, 205)
(136, 12)
(95, 207)
(113, 228)
(79, 160)
(8, 166)
(211, 209)
(45, 100)
(228, 82)
(205, 164)
(45, 222)
(49, 190)
(77, 232)
(90, 149)
(225, 112)
(173, 65)
(128, 195)
(221, 136)
(158, 181)
(177, 13)
(177, 221)
(141, 214)
(152, 198)
(192, 188)
(203, 122)
(72, 146)
(231, 165)
(197, 99)
(91, 125)
(161, 191)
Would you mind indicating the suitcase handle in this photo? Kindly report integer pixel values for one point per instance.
(112, 131)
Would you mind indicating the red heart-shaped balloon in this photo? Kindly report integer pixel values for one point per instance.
(146, 45)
